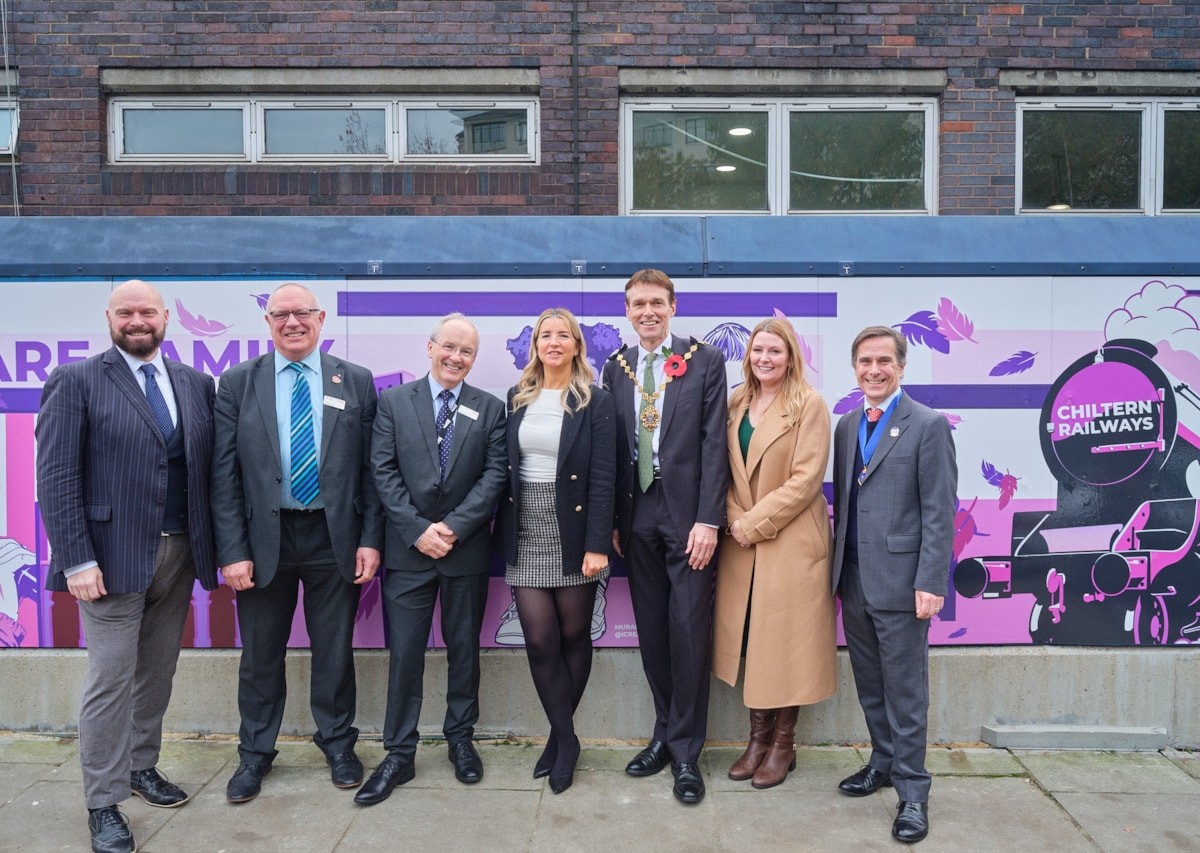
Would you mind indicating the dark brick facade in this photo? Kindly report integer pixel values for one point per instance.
(60, 47)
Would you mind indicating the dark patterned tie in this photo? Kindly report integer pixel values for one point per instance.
(445, 429)
(162, 415)
(305, 484)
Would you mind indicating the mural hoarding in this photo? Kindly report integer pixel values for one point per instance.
(1072, 400)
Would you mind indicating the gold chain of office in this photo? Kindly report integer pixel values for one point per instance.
(649, 414)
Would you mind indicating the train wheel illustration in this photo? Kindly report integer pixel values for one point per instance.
(1150, 621)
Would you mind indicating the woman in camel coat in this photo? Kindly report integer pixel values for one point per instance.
(774, 604)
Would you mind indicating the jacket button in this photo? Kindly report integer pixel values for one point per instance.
(574, 476)
(579, 509)
(510, 500)
(509, 467)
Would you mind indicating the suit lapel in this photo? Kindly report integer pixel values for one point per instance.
(262, 382)
(772, 427)
(121, 376)
(895, 428)
(183, 392)
(571, 425)
(333, 384)
(622, 392)
(670, 395)
(422, 403)
(849, 439)
(463, 424)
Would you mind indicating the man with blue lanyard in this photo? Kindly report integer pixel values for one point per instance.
(894, 478)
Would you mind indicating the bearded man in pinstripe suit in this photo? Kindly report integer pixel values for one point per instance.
(124, 444)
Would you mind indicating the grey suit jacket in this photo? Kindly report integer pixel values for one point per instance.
(691, 453)
(404, 457)
(102, 470)
(247, 470)
(906, 505)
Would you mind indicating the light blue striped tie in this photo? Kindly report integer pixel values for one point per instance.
(305, 486)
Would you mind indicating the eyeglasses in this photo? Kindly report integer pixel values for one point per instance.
(300, 314)
(461, 352)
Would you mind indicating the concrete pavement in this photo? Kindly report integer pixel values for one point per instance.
(983, 800)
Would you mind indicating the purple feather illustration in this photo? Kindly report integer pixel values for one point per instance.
(730, 339)
(922, 328)
(953, 420)
(953, 324)
(805, 349)
(262, 299)
(848, 403)
(1006, 482)
(1016, 363)
(199, 325)
(955, 634)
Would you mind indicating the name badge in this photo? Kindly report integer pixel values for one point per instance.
(335, 403)
(469, 412)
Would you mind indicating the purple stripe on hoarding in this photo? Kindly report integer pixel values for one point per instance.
(19, 400)
(979, 396)
(492, 303)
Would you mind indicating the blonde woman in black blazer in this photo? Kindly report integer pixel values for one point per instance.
(554, 527)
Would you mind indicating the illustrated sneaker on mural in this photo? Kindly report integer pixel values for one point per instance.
(510, 632)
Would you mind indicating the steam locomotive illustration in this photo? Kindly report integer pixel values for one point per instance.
(1117, 562)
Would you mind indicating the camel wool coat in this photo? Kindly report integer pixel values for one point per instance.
(784, 578)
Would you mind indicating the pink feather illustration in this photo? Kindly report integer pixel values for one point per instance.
(199, 325)
(953, 323)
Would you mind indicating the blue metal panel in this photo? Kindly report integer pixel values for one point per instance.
(540, 247)
(954, 245)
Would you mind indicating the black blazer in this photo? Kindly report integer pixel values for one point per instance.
(584, 489)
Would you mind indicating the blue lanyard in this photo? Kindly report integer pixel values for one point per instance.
(867, 446)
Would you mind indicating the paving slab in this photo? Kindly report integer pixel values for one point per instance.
(15, 778)
(1107, 772)
(972, 761)
(984, 815)
(39, 751)
(1188, 762)
(1136, 823)
(429, 820)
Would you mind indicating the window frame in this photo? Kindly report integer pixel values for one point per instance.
(1152, 154)
(8, 147)
(254, 109)
(778, 111)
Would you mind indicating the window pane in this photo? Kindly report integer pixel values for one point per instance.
(1181, 160)
(857, 160)
(182, 131)
(700, 161)
(325, 131)
(468, 131)
(6, 126)
(1083, 159)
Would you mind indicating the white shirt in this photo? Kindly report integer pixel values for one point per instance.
(539, 437)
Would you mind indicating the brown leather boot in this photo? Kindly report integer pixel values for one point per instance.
(762, 723)
(781, 756)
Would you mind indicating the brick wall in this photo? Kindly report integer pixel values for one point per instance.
(61, 46)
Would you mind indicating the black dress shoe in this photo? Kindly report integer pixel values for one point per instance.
(156, 789)
(246, 782)
(345, 769)
(650, 760)
(545, 762)
(689, 784)
(912, 822)
(564, 770)
(865, 782)
(110, 831)
(468, 766)
(392, 771)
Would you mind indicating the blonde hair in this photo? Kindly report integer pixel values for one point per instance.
(534, 375)
(794, 385)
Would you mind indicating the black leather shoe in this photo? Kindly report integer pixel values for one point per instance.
(546, 760)
(392, 771)
(110, 831)
(468, 766)
(563, 773)
(689, 784)
(865, 782)
(345, 769)
(650, 760)
(246, 782)
(912, 822)
(156, 789)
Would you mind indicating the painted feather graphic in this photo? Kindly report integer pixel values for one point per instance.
(261, 299)
(922, 328)
(805, 349)
(1018, 362)
(953, 324)
(953, 420)
(1006, 482)
(849, 403)
(199, 325)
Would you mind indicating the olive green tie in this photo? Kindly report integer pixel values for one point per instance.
(645, 436)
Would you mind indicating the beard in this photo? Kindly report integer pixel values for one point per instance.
(140, 347)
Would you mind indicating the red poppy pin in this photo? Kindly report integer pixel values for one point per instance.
(336, 379)
(676, 366)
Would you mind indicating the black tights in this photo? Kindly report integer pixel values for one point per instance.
(558, 642)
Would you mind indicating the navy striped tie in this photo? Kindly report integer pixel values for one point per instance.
(305, 486)
(162, 415)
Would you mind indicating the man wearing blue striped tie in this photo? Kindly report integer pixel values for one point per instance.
(294, 503)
